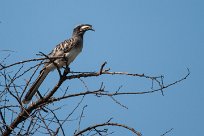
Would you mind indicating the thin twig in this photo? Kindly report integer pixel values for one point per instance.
(107, 124)
(167, 132)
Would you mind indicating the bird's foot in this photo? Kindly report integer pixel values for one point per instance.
(66, 70)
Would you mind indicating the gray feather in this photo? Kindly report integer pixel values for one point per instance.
(35, 86)
(69, 49)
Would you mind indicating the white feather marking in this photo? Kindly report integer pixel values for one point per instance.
(85, 27)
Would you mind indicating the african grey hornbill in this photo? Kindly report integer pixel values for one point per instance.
(68, 50)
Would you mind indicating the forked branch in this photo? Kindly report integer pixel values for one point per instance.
(32, 115)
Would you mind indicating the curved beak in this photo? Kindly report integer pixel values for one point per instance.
(87, 27)
(91, 28)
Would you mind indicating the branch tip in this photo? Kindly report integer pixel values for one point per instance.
(102, 66)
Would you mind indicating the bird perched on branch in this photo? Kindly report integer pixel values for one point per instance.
(68, 49)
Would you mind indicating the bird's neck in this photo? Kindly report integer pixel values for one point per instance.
(78, 35)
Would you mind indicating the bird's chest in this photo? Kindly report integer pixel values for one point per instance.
(72, 54)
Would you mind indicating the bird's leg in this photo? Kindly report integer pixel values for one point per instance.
(67, 69)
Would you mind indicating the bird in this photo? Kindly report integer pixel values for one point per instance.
(68, 49)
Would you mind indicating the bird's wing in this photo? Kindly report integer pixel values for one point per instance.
(63, 47)
(60, 50)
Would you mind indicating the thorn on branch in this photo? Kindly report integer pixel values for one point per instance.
(2, 66)
(102, 87)
(109, 120)
(100, 90)
(167, 132)
(119, 88)
(162, 84)
(102, 66)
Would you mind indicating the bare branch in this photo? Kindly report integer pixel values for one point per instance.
(34, 118)
(79, 124)
(26, 61)
(107, 124)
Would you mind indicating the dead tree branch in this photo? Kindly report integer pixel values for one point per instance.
(90, 128)
(38, 117)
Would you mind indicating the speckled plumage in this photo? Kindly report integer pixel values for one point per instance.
(69, 49)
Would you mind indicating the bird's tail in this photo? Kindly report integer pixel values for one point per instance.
(34, 88)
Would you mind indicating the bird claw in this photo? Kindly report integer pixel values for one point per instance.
(66, 70)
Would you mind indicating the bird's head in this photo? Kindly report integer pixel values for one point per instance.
(81, 29)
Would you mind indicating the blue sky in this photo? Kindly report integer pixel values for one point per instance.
(155, 37)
